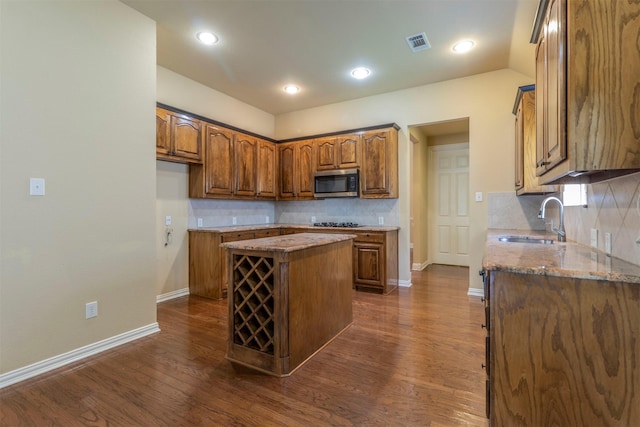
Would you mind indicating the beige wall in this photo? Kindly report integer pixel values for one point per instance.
(487, 99)
(419, 184)
(78, 94)
(172, 197)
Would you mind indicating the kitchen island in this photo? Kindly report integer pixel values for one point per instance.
(289, 296)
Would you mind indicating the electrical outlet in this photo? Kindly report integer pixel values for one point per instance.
(594, 237)
(478, 196)
(199, 222)
(167, 220)
(234, 220)
(607, 243)
(266, 219)
(91, 310)
(313, 219)
(380, 220)
(36, 186)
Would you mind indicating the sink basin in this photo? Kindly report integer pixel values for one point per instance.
(525, 239)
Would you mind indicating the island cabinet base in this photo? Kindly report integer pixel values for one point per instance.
(285, 306)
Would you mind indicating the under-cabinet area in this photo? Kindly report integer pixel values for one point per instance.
(563, 334)
(374, 256)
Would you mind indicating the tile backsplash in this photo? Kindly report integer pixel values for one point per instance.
(220, 213)
(613, 206)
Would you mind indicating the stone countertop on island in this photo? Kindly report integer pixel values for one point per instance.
(288, 243)
(563, 259)
(240, 228)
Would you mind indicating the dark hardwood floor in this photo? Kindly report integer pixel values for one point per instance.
(411, 358)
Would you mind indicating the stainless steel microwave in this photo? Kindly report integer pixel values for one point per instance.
(336, 183)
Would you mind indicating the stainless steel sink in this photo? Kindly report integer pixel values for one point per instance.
(525, 239)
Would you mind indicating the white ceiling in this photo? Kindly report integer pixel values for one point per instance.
(265, 44)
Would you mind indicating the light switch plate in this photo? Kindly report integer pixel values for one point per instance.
(199, 222)
(36, 187)
(167, 220)
(594, 237)
(478, 196)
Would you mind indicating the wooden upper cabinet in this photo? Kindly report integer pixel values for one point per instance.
(526, 181)
(337, 152)
(178, 137)
(305, 169)
(266, 183)
(379, 167)
(296, 170)
(215, 178)
(587, 66)
(286, 160)
(246, 165)
(326, 153)
(163, 132)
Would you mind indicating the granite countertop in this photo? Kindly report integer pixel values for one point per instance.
(240, 228)
(288, 243)
(563, 259)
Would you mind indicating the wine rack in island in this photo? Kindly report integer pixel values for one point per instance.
(285, 305)
(253, 302)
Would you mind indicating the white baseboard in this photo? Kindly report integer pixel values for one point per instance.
(61, 360)
(404, 283)
(475, 292)
(419, 267)
(171, 295)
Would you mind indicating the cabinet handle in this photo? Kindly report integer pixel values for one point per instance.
(483, 326)
(543, 163)
(483, 299)
(484, 366)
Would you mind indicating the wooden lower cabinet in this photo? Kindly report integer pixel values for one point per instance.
(563, 351)
(375, 258)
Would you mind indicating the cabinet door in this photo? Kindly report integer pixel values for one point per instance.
(305, 169)
(326, 153)
(246, 165)
(556, 149)
(379, 171)
(163, 131)
(541, 100)
(519, 167)
(218, 164)
(366, 264)
(266, 169)
(287, 159)
(347, 151)
(186, 137)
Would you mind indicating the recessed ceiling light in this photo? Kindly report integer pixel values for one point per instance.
(291, 89)
(463, 46)
(360, 73)
(207, 37)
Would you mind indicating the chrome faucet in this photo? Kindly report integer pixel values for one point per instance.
(562, 235)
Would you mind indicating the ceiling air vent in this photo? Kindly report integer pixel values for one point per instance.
(418, 42)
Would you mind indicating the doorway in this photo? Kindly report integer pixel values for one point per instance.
(425, 229)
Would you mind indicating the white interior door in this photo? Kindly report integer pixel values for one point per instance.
(450, 189)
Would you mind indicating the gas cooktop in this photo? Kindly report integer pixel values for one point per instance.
(336, 224)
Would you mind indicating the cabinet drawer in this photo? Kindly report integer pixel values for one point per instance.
(267, 233)
(369, 237)
(235, 237)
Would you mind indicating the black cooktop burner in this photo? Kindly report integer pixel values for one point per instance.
(336, 224)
